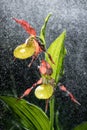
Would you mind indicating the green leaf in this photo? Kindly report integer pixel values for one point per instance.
(43, 29)
(57, 52)
(82, 126)
(29, 116)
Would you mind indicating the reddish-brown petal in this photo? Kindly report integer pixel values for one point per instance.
(73, 98)
(38, 48)
(50, 57)
(37, 83)
(27, 91)
(45, 68)
(26, 26)
(63, 88)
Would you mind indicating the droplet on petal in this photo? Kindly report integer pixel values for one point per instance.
(44, 91)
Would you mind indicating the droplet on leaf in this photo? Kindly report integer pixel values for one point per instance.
(24, 51)
(44, 91)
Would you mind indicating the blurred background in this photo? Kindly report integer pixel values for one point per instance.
(15, 77)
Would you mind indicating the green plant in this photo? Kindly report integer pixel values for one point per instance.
(29, 116)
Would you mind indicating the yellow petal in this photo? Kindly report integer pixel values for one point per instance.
(44, 91)
(24, 51)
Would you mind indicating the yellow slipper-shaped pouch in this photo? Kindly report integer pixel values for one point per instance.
(44, 91)
(24, 51)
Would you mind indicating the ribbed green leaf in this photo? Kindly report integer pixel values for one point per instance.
(82, 126)
(57, 51)
(30, 116)
(43, 29)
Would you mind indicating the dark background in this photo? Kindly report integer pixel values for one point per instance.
(15, 77)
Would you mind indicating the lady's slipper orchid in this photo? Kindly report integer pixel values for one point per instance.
(32, 47)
